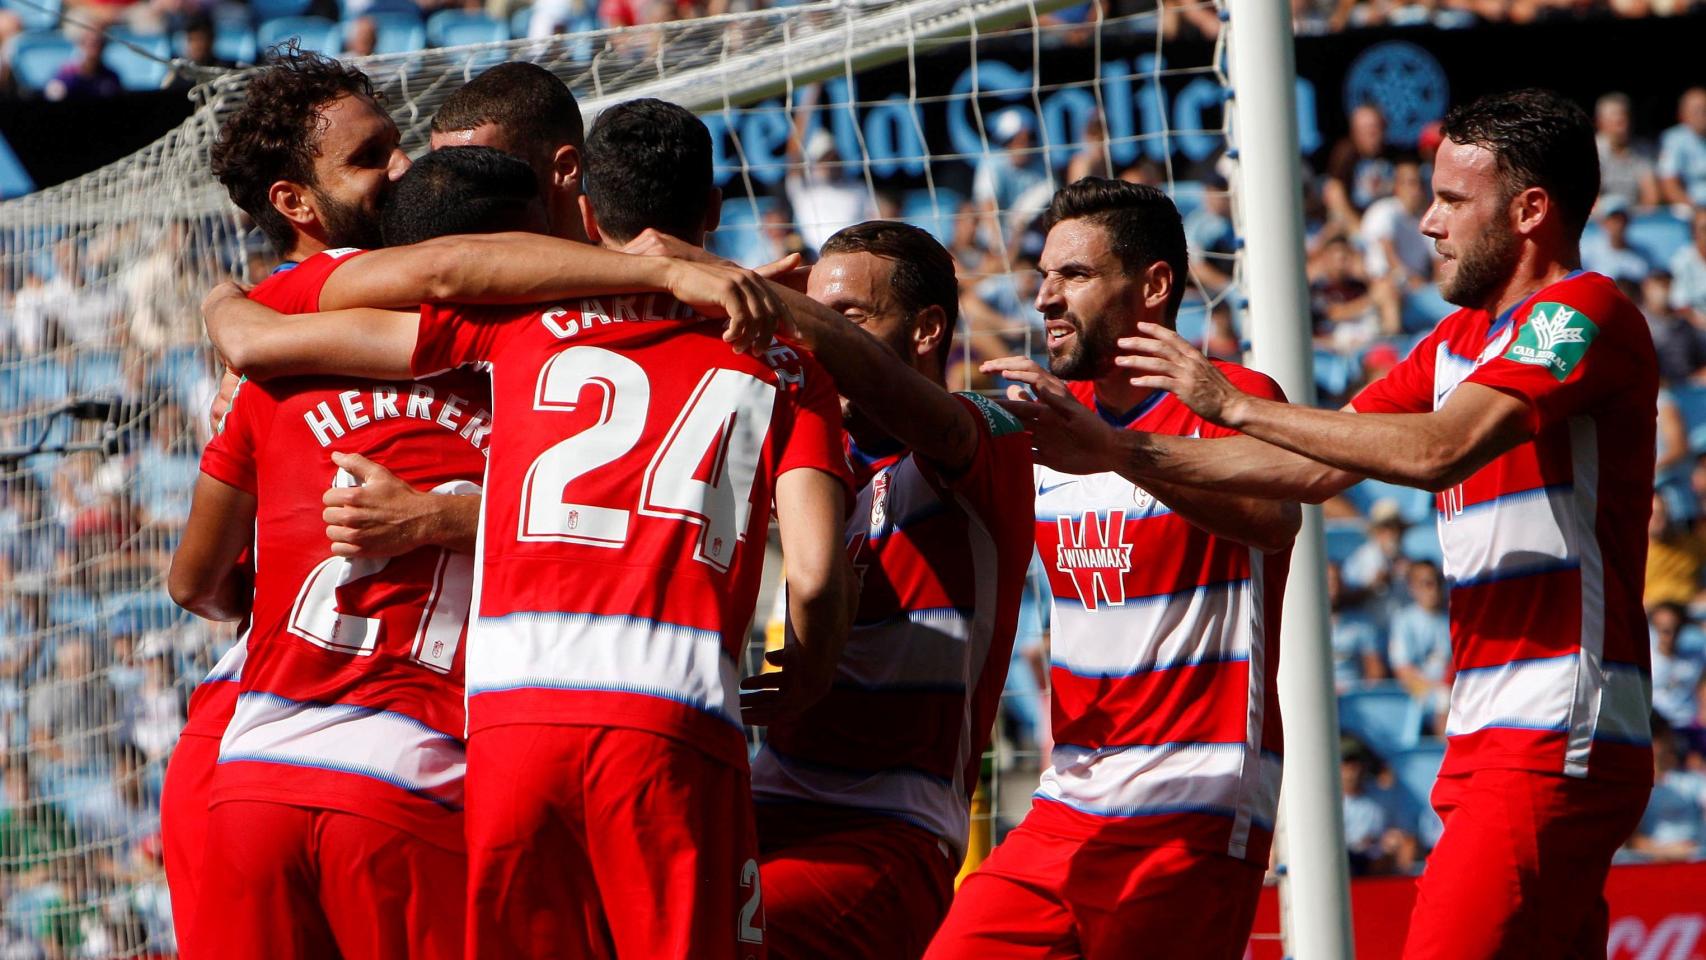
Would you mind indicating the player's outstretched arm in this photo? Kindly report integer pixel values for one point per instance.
(205, 578)
(904, 402)
(1432, 451)
(529, 268)
(810, 505)
(262, 343)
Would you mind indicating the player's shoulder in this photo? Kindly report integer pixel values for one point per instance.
(994, 417)
(1592, 297)
(1250, 381)
(295, 287)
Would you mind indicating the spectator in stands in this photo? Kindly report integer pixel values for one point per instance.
(1009, 174)
(1670, 446)
(34, 832)
(1365, 818)
(1676, 557)
(1360, 167)
(167, 468)
(155, 714)
(1091, 160)
(198, 52)
(1000, 320)
(1625, 166)
(1681, 345)
(1376, 570)
(1688, 273)
(1682, 153)
(70, 714)
(85, 76)
(1692, 735)
(1209, 236)
(1608, 251)
(824, 194)
(1674, 827)
(361, 37)
(1356, 641)
(1391, 232)
(1420, 642)
(1346, 312)
(1676, 672)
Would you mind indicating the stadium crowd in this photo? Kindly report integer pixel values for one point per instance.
(84, 538)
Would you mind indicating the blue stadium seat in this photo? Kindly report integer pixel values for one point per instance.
(263, 10)
(397, 32)
(1192, 322)
(1416, 770)
(380, 6)
(936, 216)
(1333, 373)
(1415, 506)
(1343, 537)
(38, 54)
(1659, 235)
(141, 610)
(1384, 717)
(1421, 542)
(72, 607)
(1691, 403)
(140, 65)
(32, 383)
(456, 28)
(32, 14)
(97, 371)
(234, 40)
(314, 33)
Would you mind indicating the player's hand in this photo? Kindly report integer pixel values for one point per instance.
(1066, 435)
(656, 243)
(383, 517)
(754, 309)
(777, 696)
(222, 401)
(1166, 361)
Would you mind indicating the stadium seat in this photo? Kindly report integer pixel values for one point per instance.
(1343, 537)
(38, 54)
(1384, 717)
(1192, 322)
(138, 58)
(1658, 235)
(141, 610)
(32, 383)
(935, 215)
(1333, 372)
(313, 33)
(379, 6)
(397, 32)
(97, 371)
(456, 28)
(263, 10)
(1691, 403)
(72, 607)
(1415, 506)
(233, 40)
(35, 15)
(1416, 770)
(1421, 542)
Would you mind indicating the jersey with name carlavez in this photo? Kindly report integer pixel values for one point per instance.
(351, 696)
(941, 561)
(291, 288)
(626, 509)
(1545, 547)
(1165, 646)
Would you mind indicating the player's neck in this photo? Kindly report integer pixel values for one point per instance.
(1533, 272)
(1115, 394)
(306, 246)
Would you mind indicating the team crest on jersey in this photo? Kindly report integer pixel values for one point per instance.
(1555, 337)
(1093, 551)
(879, 500)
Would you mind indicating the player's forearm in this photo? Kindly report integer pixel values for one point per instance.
(1239, 466)
(263, 344)
(1267, 525)
(455, 522)
(205, 578)
(910, 408)
(1416, 450)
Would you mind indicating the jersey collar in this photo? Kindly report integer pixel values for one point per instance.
(1126, 419)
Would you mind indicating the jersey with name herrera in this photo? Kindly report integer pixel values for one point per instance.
(626, 509)
(941, 561)
(291, 288)
(351, 696)
(1545, 547)
(1165, 647)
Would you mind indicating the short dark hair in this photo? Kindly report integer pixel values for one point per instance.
(1141, 220)
(458, 190)
(528, 101)
(923, 269)
(275, 134)
(1538, 139)
(648, 164)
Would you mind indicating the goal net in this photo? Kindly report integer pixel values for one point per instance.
(961, 118)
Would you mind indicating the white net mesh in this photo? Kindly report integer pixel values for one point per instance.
(961, 118)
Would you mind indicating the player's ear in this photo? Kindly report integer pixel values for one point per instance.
(292, 202)
(930, 326)
(713, 209)
(1158, 283)
(1529, 208)
(566, 168)
(588, 219)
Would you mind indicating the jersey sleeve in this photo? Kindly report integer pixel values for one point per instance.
(1255, 384)
(1407, 387)
(299, 290)
(998, 478)
(451, 336)
(815, 439)
(230, 455)
(1573, 349)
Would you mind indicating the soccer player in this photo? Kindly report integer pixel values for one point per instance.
(1151, 828)
(1530, 411)
(863, 800)
(609, 801)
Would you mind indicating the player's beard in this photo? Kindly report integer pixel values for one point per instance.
(1090, 354)
(348, 224)
(1483, 266)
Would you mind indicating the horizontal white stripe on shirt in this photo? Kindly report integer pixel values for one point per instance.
(927, 802)
(1164, 779)
(230, 666)
(1524, 695)
(917, 648)
(1518, 533)
(1205, 625)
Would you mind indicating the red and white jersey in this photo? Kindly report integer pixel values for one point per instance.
(351, 695)
(291, 288)
(1165, 643)
(1545, 547)
(626, 509)
(941, 562)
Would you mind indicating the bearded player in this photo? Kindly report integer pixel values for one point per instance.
(1150, 830)
(1530, 410)
(609, 801)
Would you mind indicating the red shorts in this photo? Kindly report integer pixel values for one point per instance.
(1520, 870)
(1041, 896)
(595, 842)
(297, 883)
(183, 831)
(844, 885)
